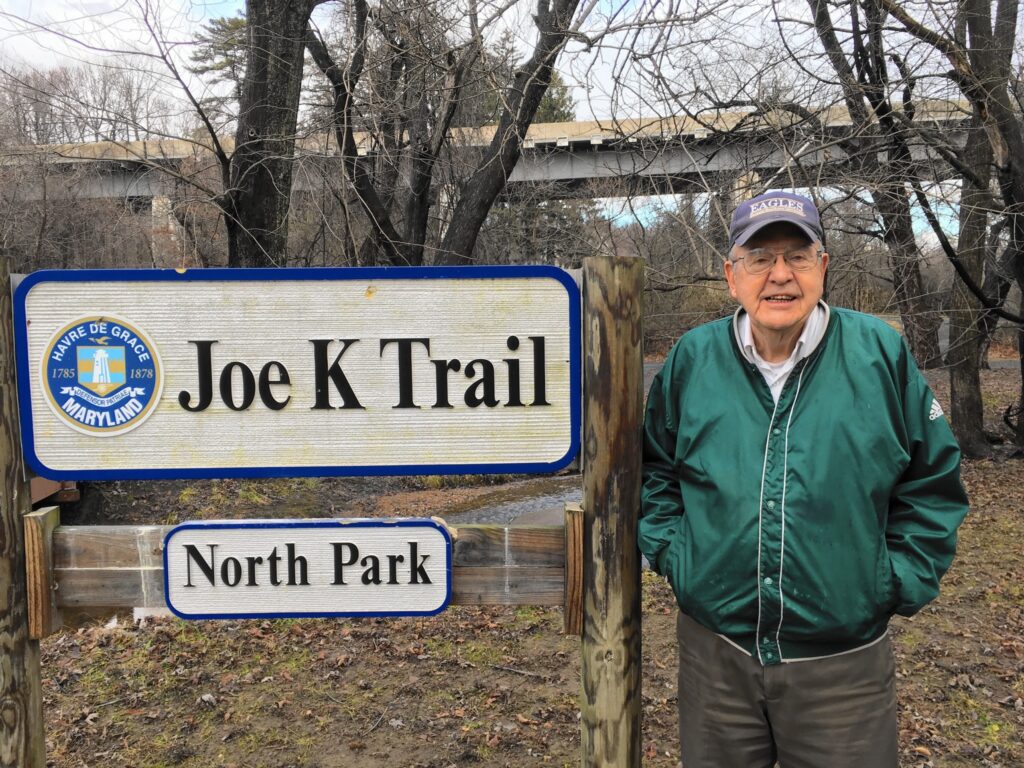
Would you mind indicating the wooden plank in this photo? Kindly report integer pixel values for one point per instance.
(85, 546)
(22, 738)
(475, 585)
(572, 602)
(613, 387)
(108, 546)
(43, 615)
(42, 487)
(522, 545)
(110, 587)
(471, 585)
(122, 566)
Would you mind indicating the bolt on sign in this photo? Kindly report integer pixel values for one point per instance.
(307, 568)
(288, 372)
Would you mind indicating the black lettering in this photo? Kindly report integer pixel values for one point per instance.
(486, 383)
(252, 562)
(513, 374)
(404, 368)
(297, 562)
(323, 372)
(266, 395)
(416, 573)
(203, 356)
(539, 384)
(205, 567)
(393, 561)
(273, 560)
(248, 386)
(340, 563)
(372, 573)
(441, 368)
(231, 571)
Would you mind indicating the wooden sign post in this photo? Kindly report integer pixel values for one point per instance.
(613, 387)
(592, 559)
(22, 743)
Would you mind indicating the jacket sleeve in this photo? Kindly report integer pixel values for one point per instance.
(928, 503)
(661, 513)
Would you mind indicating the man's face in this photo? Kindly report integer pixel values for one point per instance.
(781, 299)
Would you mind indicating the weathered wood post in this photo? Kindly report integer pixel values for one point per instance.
(613, 396)
(22, 742)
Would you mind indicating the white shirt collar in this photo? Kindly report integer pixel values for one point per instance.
(810, 337)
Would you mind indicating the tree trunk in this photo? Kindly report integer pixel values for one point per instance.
(920, 320)
(863, 77)
(386, 242)
(258, 199)
(523, 97)
(966, 414)
(1019, 423)
(996, 286)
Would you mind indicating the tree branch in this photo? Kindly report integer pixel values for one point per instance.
(342, 83)
(951, 254)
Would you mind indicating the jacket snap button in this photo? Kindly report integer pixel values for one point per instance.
(768, 580)
(770, 505)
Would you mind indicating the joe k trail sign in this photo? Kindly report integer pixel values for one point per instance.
(285, 372)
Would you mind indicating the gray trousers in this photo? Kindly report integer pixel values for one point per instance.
(835, 712)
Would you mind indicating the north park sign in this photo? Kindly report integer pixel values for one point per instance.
(291, 372)
(307, 568)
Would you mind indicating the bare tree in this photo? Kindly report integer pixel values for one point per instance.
(89, 101)
(554, 19)
(978, 40)
(424, 69)
(772, 78)
(777, 95)
(258, 193)
(878, 143)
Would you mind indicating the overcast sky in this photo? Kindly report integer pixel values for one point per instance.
(49, 32)
(630, 73)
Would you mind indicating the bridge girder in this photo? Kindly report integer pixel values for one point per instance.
(566, 169)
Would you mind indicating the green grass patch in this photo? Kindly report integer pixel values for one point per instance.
(480, 653)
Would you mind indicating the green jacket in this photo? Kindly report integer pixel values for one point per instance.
(797, 530)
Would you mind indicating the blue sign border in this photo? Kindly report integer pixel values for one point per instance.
(334, 524)
(25, 385)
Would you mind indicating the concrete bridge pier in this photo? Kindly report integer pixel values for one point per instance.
(166, 242)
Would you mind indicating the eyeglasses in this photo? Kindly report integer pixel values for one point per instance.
(757, 261)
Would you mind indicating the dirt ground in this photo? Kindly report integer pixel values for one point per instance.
(485, 687)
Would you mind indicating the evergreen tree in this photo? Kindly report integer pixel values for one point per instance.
(220, 57)
(482, 104)
(557, 106)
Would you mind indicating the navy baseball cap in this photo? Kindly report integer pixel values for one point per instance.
(757, 213)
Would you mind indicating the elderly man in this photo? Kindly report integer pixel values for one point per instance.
(801, 486)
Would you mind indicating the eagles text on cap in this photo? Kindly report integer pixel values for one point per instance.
(777, 205)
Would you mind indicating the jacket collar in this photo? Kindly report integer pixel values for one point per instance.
(810, 338)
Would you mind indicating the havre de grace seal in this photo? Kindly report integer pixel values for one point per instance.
(101, 375)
